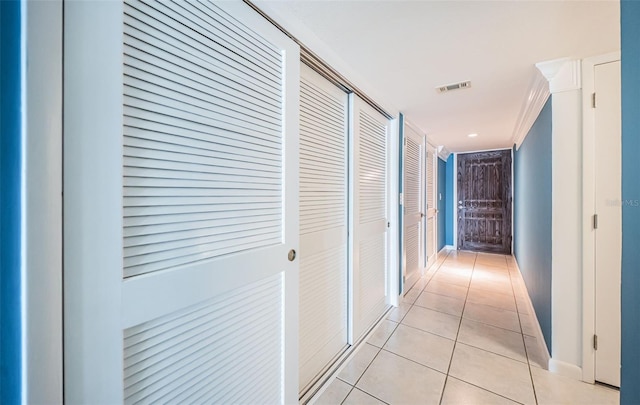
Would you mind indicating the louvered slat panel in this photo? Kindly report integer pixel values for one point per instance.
(373, 277)
(323, 222)
(202, 136)
(430, 236)
(323, 315)
(412, 177)
(430, 178)
(322, 160)
(171, 359)
(373, 138)
(412, 240)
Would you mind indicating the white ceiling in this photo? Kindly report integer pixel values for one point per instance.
(407, 48)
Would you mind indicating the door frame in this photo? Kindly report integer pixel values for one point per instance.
(425, 206)
(589, 156)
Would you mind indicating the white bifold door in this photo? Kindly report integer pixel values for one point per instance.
(414, 205)
(323, 224)
(368, 216)
(180, 204)
(432, 206)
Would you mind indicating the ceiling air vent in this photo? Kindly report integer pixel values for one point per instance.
(455, 86)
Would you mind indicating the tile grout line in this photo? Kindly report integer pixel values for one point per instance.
(380, 349)
(524, 342)
(455, 343)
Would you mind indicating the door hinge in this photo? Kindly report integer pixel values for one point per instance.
(595, 342)
(388, 224)
(593, 100)
(401, 198)
(595, 221)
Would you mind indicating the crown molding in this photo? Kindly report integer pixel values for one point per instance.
(562, 74)
(537, 96)
(443, 152)
(552, 76)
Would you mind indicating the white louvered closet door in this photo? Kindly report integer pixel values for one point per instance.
(323, 223)
(369, 239)
(181, 204)
(432, 205)
(414, 205)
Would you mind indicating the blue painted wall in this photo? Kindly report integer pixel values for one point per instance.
(630, 37)
(442, 202)
(532, 216)
(10, 203)
(450, 178)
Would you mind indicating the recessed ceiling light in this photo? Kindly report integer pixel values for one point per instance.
(472, 135)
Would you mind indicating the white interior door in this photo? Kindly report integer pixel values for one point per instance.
(608, 235)
(369, 210)
(414, 205)
(180, 204)
(323, 223)
(432, 206)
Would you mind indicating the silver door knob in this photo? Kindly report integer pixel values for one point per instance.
(292, 255)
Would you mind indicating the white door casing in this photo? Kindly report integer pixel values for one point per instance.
(608, 235)
(414, 204)
(368, 241)
(432, 206)
(180, 204)
(323, 224)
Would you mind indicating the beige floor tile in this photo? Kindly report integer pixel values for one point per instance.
(502, 287)
(452, 279)
(535, 352)
(492, 316)
(439, 323)
(493, 372)
(356, 366)
(491, 268)
(492, 276)
(456, 270)
(458, 392)
(490, 338)
(492, 299)
(556, 389)
(422, 347)
(397, 313)
(529, 326)
(442, 303)
(396, 380)
(421, 283)
(450, 290)
(382, 333)
(357, 397)
(411, 295)
(335, 393)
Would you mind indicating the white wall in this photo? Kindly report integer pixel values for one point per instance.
(43, 206)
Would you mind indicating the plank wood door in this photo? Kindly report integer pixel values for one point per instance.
(484, 201)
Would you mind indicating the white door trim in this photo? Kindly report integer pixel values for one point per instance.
(588, 208)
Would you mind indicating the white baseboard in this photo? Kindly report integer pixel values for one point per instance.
(565, 369)
(446, 247)
(539, 336)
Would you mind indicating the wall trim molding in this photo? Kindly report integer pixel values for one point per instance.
(443, 152)
(537, 96)
(539, 336)
(565, 369)
(562, 74)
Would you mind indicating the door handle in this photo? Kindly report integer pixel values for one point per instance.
(292, 255)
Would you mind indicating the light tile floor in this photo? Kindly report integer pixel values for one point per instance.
(462, 335)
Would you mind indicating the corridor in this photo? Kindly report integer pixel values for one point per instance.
(462, 335)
